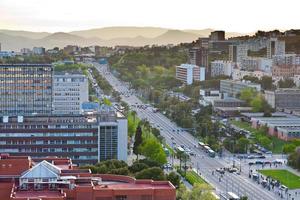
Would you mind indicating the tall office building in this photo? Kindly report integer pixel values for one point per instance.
(70, 90)
(217, 36)
(238, 52)
(86, 139)
(275, 47)
(199, 57)
(25, 89)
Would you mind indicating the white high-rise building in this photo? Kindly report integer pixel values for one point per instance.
(70, 90)
(187, 73)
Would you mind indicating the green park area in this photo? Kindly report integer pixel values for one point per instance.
(193, 178)
(292, 181)
(261, 136)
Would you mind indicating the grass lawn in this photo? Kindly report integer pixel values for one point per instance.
(192, 177)
(277, 143)
(292, 181)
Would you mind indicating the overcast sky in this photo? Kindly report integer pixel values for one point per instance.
(230, 15)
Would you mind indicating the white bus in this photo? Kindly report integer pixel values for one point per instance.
(232, 196)
(206, 148)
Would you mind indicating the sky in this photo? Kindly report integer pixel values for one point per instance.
(242, 16)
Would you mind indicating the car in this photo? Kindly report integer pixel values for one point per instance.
(251, 157)
(251, 163)
(220, 170)
(172, 138)
(261, 157)
(231, 170)
(283, 188)
(258, 162)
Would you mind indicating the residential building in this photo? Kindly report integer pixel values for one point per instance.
(217, 36)
(221, 67)
(25, 89)
(256, 64)
(284, 98)
(239, 74)
(234, 87)
(187, 73)
(71, 49)
(87, 139)
(38, 50)
(26, 51)
(285, 71)
(51, 178)
(275, 47)
(199, 57)
(285, 59)
(7, 54)
(238, 52)
(203, 42)
(70, 90)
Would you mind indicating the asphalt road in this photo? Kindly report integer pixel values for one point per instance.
(239, 184)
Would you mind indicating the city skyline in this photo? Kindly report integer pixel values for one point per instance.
(57, 16)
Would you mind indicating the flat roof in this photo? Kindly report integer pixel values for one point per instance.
(37, 194)
(133, 186)
(26, 65)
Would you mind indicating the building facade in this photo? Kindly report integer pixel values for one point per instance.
(70, 90)
(217, 36)
(87, 139)
(187, 73)
(257, 64)
(275, 47)
(25, 89)
(51, 178)
(284, 98)
(234, 87)
(238, 52)
(221, 67)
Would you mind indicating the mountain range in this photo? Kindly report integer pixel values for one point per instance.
(108, 36)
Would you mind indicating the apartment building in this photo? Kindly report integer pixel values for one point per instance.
(275, 47)
(285, 71)
(188, 73)
(51, 178)
(221, 67)
(25, 89)
(257, 64)
(38, 50)
(87, 138)
(198, 56)
(70, 90)
(217, 36)
(234, 87)
(238, 52)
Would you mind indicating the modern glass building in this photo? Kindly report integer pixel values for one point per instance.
(25, 89)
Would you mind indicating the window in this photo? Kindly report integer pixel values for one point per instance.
(121, 197)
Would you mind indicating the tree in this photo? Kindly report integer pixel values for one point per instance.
(247, 94)
(286, 83)
(138, 140)
(154, 173)
(137, 167)
(153, 150)
(257, 103)
(174, 178)
(266, 82)
(199, 191)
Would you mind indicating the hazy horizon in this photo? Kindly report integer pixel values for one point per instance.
(66, 16)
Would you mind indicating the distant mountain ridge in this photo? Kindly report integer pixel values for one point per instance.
(109, 36)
